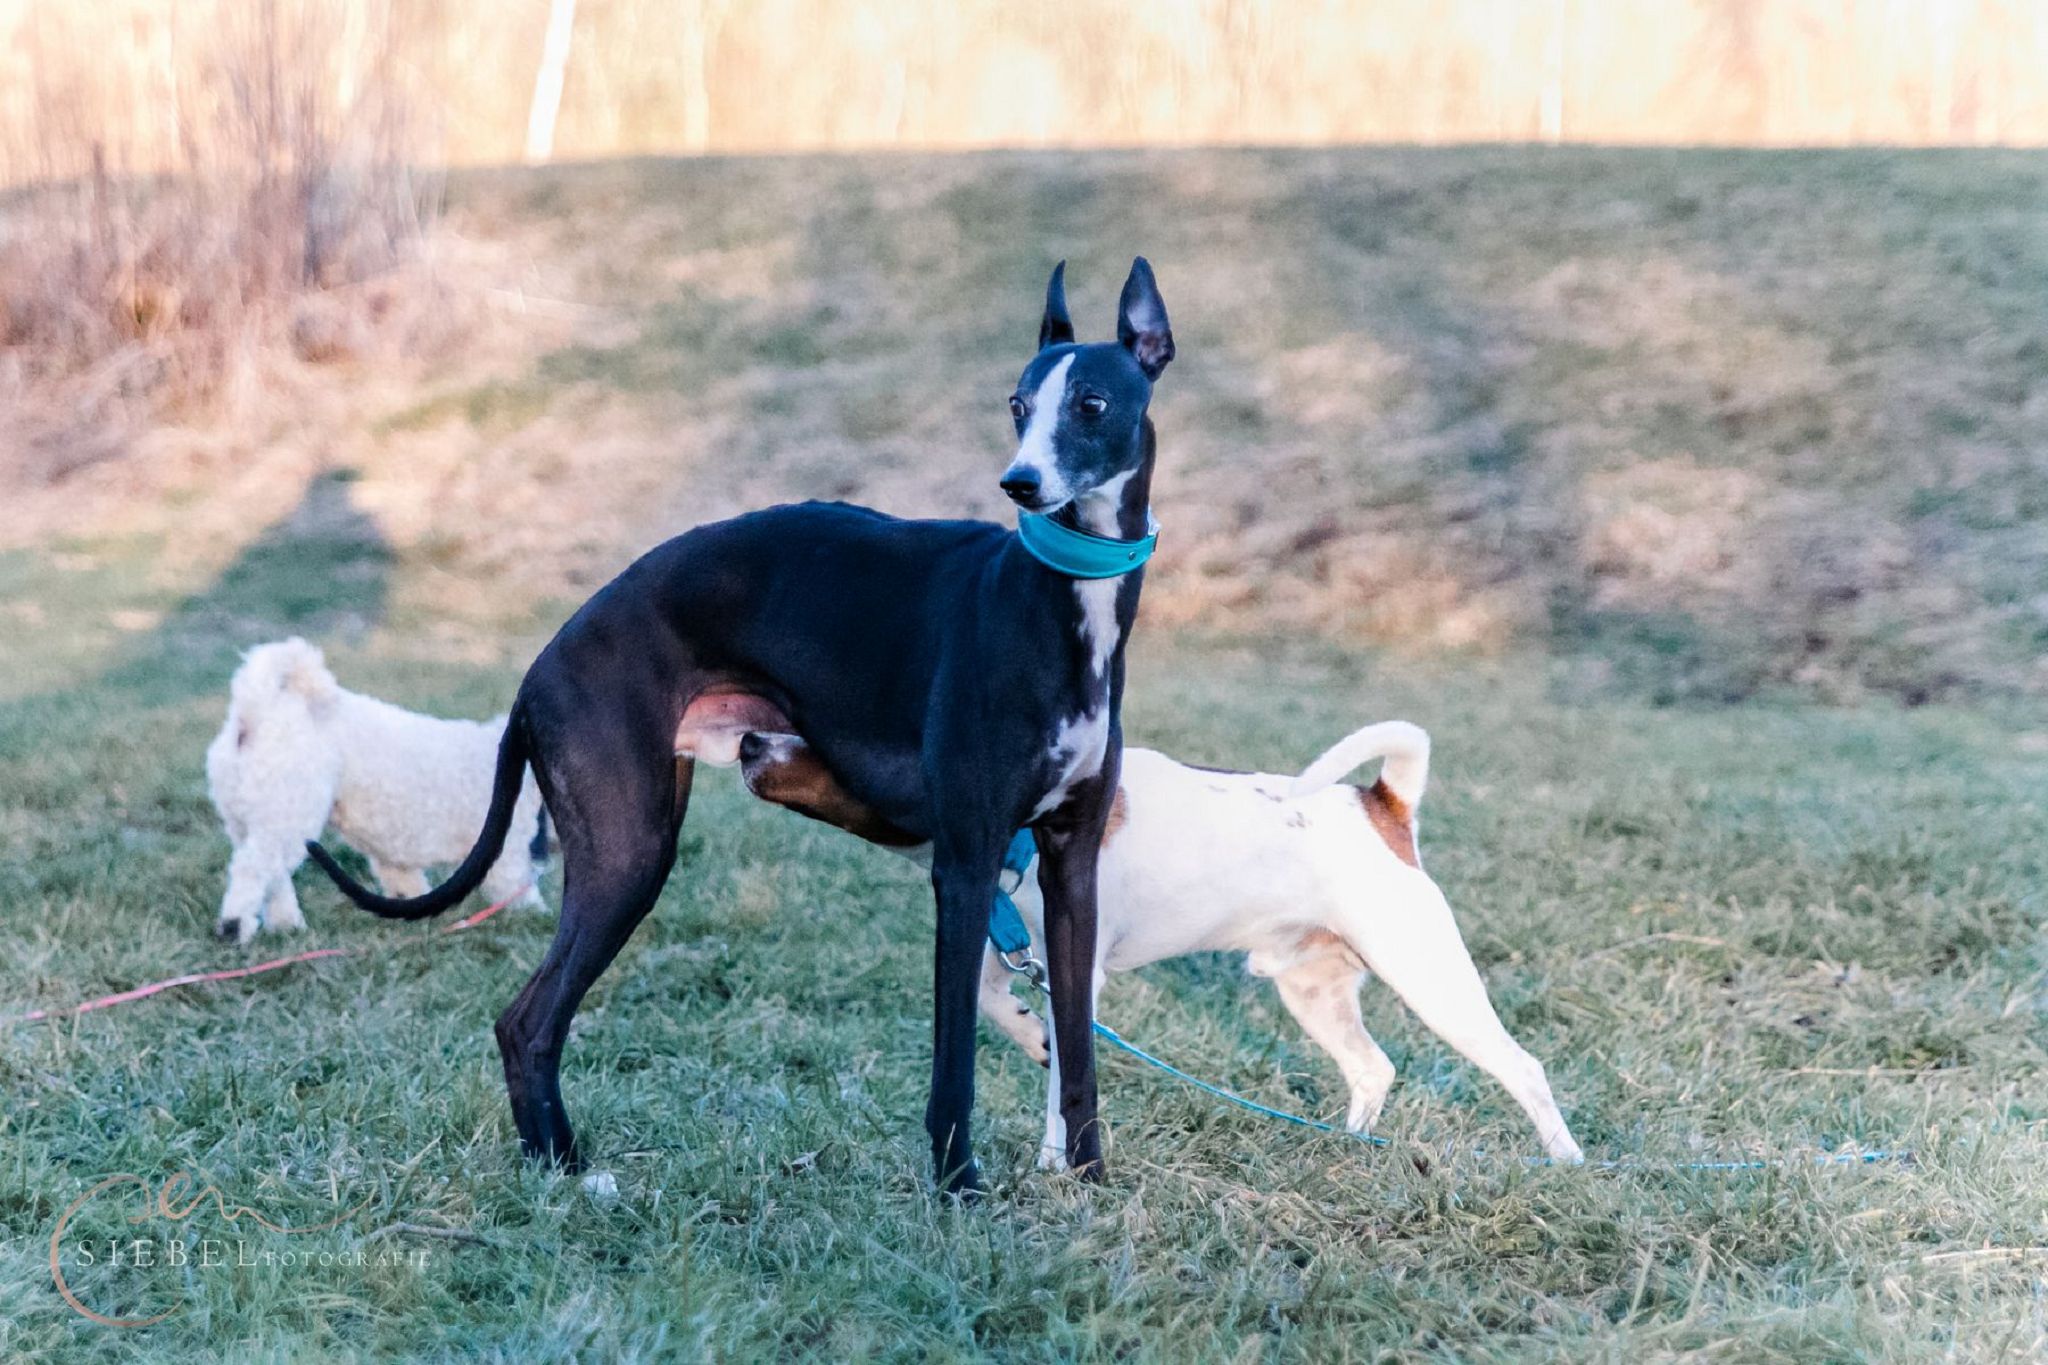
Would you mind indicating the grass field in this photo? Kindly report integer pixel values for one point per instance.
(1738, 894)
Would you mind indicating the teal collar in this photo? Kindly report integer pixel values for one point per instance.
(1080, 554)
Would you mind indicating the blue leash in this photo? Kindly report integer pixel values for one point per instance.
(1006, 928)
(1115, 1039)
(1012, 940)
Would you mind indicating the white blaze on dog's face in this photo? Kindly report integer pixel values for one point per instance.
(1079, 410)
(1037, 443)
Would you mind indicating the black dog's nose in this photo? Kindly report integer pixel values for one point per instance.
(1021, 482)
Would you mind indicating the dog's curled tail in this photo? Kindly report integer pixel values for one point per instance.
(1405, 748)
(302, 668)
(269, 671)
(512, 753)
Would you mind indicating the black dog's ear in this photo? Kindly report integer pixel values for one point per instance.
(1056, 327)
(1141, 321)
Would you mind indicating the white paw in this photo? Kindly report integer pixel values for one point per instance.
(1562, 1148)
(602, 1188)
(1363, 1114)
(1020, 1024)
(1052, 1158)
(1036, 1045)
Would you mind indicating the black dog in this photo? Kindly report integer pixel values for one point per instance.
(950, 681)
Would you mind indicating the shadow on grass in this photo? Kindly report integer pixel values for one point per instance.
(322, 570)
(101, 771)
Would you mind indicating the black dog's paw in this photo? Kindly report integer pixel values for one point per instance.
(963, 1184)
(558, 1154)
(1084, 1156)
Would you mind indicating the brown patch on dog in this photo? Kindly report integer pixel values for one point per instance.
(1321, 940)
(716, 718)
(1119, 811)
(1391, 820)
(800, 781)
(1323, 943)
(679, 802)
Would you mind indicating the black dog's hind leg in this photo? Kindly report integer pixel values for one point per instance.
(618, 817)
(964, 883)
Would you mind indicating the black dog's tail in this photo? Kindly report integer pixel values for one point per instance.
(512, 753)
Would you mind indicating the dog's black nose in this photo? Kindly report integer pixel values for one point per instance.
(752, 747)
(228, 928)
(1021, 482)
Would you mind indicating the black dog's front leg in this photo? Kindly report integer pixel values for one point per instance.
(964, 883)
(1068, 846)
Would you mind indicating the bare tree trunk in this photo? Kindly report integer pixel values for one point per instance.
(1941, 81)
(1550, 114)
(547, 81)
(1499, 70)
(701, 22)
(696, 98)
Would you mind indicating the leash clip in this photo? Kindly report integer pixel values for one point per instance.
(1024, 965)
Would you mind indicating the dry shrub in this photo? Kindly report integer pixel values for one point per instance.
(125, 297)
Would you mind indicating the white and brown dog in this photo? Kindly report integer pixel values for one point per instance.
(299, 753)
(1319, 883)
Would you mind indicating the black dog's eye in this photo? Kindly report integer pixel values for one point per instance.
(1094, 406)
(1017, 409)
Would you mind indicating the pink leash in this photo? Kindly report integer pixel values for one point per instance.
(194, 978)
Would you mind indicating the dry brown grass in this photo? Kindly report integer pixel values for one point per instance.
(273, 241)
(1685, 425)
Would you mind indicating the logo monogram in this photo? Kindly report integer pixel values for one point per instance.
(177, 1200)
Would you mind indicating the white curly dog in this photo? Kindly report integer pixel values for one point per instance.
(300, 754)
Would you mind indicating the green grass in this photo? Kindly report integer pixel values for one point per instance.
(1853, 956)
(1541, 451)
